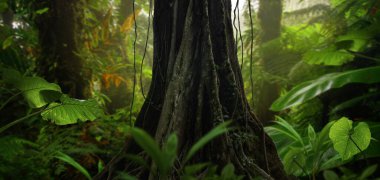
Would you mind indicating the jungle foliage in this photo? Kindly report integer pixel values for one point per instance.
(328, 74)
(326, 70)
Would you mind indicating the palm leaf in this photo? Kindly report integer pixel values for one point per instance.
(310, 89)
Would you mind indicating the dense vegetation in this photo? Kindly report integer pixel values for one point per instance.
(76, 73)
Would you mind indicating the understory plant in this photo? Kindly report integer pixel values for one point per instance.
(307, 153)
(166, 158)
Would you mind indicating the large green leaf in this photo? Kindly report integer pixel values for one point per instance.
(70, 110)
(36, 91)
(359, 39)
(347, 141)
(311, 89)
(327, 56)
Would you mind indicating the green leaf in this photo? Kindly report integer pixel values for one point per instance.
(335, 3)
(293, 157)
(10, 76)
(313, 88)
(355, 101)
(43, 10)
(146, 142)
(100, 166)
(170, 150)
(332, 162)
(323, 142)
(194, 168)
(125, 176)
(218, 130)
(66, 158)
(359, 39)
(330, 175)
(228, 171)
(36, 91)
(368, 171)
(7, 42)
(285, 129)
(311, 133)
(327, 56)
(70, 110)
(349, 141)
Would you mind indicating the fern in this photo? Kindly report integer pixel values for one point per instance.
(11, 146)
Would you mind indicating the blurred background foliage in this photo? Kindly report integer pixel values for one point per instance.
(33, 38)
(310, 68)
(321, 65)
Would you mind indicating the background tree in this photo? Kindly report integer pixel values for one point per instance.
(60, 32)
(269, 15)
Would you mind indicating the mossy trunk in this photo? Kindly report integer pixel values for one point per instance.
(60, 33)
(197, 84)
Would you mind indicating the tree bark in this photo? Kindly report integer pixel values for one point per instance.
(197, 84)
(60, 35)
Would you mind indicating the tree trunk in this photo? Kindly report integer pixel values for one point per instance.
(197, 84)
(269, 15)
(7, 17)
(270, 12)
(60, 35)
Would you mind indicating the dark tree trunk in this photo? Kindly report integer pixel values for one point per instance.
(270, 12)
(60, 34)
(269, 15)
(197, 84)
(7, 17)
